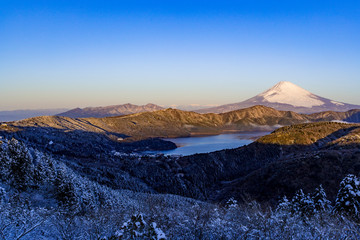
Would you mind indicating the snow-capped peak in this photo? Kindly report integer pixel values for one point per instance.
(289, 93)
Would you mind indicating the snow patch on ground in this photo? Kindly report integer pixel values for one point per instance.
(289, 93)
(339, 121)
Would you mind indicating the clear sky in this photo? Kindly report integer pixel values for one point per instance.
(94, 53)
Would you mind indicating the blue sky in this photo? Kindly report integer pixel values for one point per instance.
(94, 53)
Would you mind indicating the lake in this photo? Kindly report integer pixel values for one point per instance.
(193, 145)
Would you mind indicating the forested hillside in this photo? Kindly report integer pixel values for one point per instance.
(252, 192)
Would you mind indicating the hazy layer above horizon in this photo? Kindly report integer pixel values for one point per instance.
(7, 116)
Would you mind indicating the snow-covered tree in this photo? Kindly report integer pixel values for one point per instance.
(302, 204)
(44, 171)
(65, 188)
(5, 161)
(21, 167)
(320, 200)
(284, 205)
(348, 197)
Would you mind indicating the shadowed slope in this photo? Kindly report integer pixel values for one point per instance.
(311, 154)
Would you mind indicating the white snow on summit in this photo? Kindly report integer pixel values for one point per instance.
(289, 93)
(286, 96)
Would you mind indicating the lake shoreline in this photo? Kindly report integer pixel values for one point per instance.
(209, 143)
(195, 135)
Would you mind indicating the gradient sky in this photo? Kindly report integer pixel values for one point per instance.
(61, 53)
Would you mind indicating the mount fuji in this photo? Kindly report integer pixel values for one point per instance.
(286, 96)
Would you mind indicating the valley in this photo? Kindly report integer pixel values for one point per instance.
(85, 165)
(198, 176)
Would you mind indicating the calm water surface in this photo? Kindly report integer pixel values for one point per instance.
(193, 145)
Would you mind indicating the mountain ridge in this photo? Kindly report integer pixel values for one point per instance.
(109, 111)
(169, 123)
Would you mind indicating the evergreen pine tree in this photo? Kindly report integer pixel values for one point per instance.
(302, 204)
(21, 167)
(348, 197)
(65, 189)
(5, 161)
(319, 198)
(44, 171)
(284, 205)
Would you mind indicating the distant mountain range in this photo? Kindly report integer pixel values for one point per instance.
(286, 96)
(177, 123)
(191, 107)
(109, 111)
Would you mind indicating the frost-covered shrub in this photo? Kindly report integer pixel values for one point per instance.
(2, 195)
(348, 197)
(155, 233)
(231, 203)
(137, 228)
